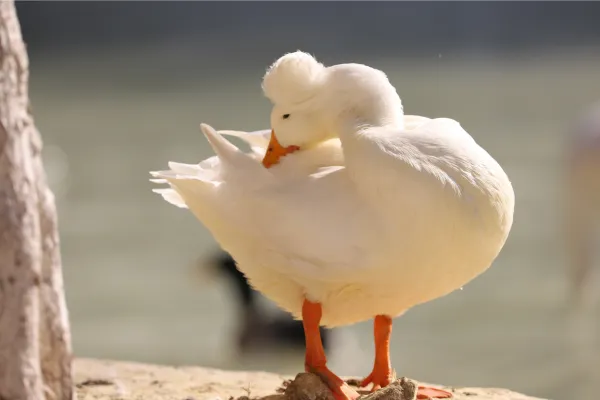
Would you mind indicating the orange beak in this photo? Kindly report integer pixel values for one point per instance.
(275, 151)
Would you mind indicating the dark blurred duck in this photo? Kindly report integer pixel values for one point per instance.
(256, 330)
(582, 202)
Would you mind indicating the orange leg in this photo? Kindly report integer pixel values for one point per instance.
(382, 374)
(315, 360)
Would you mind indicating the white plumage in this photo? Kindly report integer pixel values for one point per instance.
(376, 212)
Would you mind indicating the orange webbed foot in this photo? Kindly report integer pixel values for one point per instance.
(380, 378)
(339, 388)
(382, 374)
(429, 393)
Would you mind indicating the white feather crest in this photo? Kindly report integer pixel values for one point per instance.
(293, 78)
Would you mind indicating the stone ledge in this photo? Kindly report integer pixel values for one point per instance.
(115, 380)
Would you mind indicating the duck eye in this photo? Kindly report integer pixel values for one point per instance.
(286, 116)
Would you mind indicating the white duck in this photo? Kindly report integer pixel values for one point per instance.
(368, 214)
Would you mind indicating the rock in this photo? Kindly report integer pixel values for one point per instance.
(401, 389)
(114, 380)
(307, 386)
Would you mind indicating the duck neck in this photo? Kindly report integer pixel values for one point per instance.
(359, 134)
(351, 127)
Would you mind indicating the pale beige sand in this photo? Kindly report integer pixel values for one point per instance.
(102, 379)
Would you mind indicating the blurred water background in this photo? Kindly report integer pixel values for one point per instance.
(119, 88)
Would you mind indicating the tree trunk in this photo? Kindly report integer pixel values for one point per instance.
(35, 341)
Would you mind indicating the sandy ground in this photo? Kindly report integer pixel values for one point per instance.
(109, 119)
(101, 379)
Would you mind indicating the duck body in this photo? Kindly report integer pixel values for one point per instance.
(412, 231)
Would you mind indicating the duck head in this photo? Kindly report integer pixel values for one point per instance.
(313, 103)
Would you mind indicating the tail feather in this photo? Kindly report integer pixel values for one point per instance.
(209, 163)
(166, 175)
(182, 174)
(196, 184)
(258, 139)
(183, 185)
(223, 148)
(171, 196)
(185, 169)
